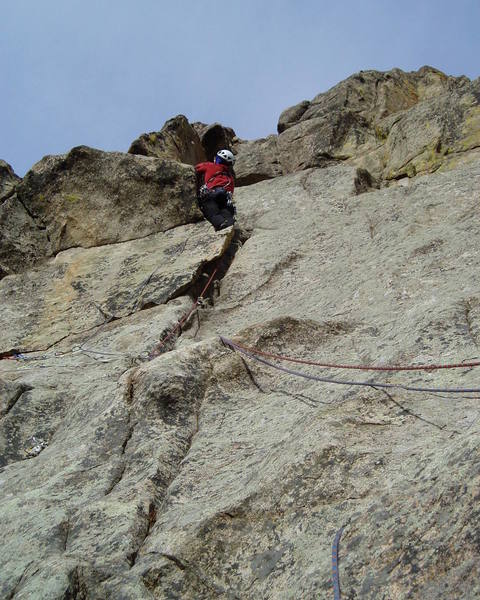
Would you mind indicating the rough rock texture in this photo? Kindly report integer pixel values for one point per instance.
(177, 140)
(193, 472)
(394, 124)
(90, 198)
(76, 290)
(22, 241)
(257, 160)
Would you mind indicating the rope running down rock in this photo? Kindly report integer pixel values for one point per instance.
(359, 367)
(407, 388)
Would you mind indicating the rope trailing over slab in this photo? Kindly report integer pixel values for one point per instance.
(358, 367)
(407, 388)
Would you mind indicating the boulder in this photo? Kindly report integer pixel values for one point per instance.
(214, 137)
(290, 116)
(90, 198)
(257, 160)
(177, 140)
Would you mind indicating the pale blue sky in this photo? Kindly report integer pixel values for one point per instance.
(101, 72)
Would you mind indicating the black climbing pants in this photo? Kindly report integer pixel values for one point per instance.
(217, 209)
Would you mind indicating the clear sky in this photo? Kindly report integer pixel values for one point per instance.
(101, 72)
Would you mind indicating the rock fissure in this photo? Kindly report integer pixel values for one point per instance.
(468, 308)
(7, 195)
(174, 559)
(117, 478)
(20, 580)
(251, 376)
(35, 218)
(11, 402)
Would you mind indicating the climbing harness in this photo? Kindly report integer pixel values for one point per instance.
(407, 388)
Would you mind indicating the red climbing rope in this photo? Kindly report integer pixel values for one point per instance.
(359, 367)
(373, 384)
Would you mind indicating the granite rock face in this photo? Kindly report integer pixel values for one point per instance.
(90, 198)
(257, 160)
(143, 458)
(77, 289)
(22, 240)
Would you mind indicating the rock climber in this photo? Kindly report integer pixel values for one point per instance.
(215, 194)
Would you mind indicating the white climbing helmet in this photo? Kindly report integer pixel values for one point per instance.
(227, 156)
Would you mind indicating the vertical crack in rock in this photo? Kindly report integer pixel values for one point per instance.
(251, 377)
(157, 504)
(77, 589)
(221, 264)
(12, 401)
(129, 393)
(35, 218)
(151, 519)
(117, 478)
(21, 579)
(468, 306)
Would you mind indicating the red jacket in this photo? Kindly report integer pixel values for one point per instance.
(215, 175)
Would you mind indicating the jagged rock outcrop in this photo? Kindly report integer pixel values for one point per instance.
(168, 466)
(394, 124)
(8, 181)
(20, 239)
(177, 140)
